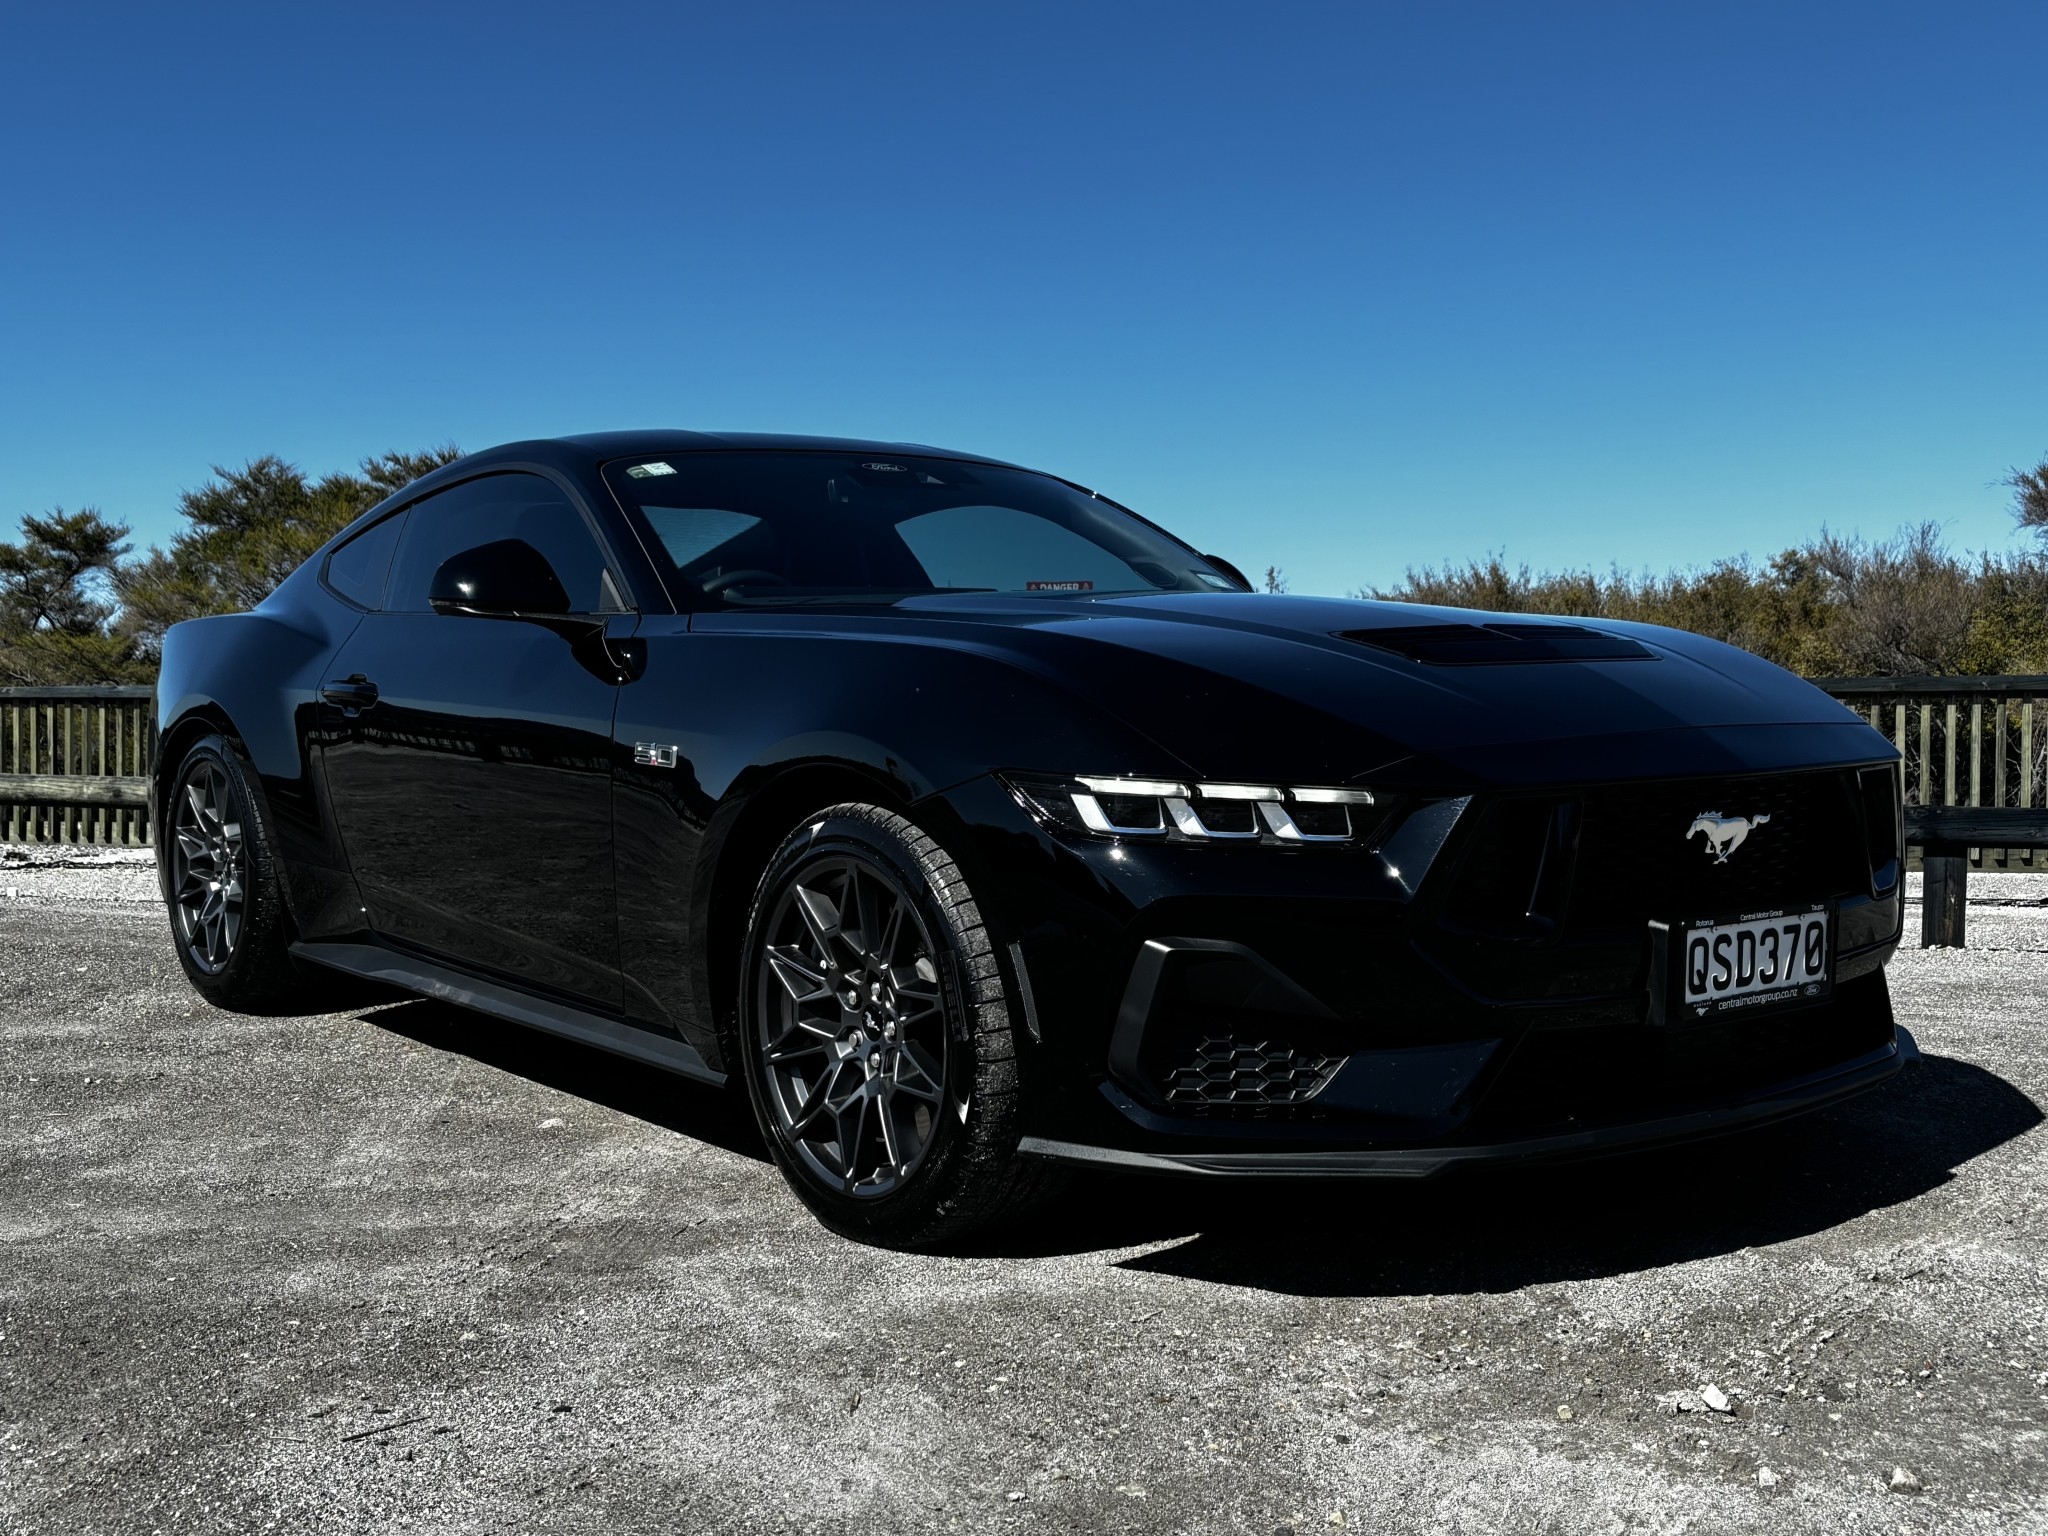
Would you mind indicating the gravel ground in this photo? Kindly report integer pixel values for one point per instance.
(398, 1267)
(38, 874)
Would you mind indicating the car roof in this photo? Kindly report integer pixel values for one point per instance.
(585, 451)
(596, 447)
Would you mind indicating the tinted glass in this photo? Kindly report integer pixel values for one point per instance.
(485, 511)
(990, 546)
(770, 528)
(357, 569)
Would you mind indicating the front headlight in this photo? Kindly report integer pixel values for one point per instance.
(1170, 810)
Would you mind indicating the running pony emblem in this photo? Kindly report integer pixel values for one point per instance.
(1725, 834)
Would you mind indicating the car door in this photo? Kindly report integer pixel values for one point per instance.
(468, 757)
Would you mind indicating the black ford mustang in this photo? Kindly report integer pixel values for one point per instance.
(983, 827)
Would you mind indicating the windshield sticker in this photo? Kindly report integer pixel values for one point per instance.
(894, 469)
(1059, 586)
(648, 471)
(1221, 583)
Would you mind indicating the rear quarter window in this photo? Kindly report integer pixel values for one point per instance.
(358, 569)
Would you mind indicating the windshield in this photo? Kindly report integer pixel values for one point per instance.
(785, 528)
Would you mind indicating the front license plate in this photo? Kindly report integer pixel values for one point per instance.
(1755, 960)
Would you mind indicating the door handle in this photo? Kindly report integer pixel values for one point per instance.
(354, 692)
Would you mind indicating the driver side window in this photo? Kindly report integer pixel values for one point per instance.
(494, 508)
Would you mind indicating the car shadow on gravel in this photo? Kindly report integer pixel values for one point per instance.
(1496, 1231)
(714, 1115)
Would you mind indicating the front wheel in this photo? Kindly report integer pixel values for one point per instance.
(876, 1037)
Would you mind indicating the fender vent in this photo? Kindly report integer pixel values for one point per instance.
(1477, 645)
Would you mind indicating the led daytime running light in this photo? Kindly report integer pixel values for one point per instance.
(1154, 787)
(1172, 809)
(1332, 796)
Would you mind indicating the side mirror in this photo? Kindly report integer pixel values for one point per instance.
(508, 579)
(1228, 569)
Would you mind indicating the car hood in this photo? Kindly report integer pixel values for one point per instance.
(1256, 686)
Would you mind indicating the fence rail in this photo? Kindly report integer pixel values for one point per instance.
(74, 764)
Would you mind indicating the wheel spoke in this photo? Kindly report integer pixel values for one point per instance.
(914, 1007)
(805, 1037)
(917, 1075)
(918, 982)
(816, 1102)
(820, 916)
(892, 1153)
(860, 897)
(892, 935)
(799, 975)
(919, 975)
(849, 1146)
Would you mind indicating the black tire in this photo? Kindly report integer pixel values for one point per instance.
(950, 1124)
(222, 886)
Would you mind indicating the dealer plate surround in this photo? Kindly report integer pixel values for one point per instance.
(1753, 960)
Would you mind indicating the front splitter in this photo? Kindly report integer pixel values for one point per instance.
(1798, 1098)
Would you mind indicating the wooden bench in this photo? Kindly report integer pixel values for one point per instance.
(1944, 834)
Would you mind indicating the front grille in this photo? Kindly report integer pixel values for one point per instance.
(1227, 1070)
(1636, 861)
(1552, 895)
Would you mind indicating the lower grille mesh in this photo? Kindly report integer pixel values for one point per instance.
(1227, 1070)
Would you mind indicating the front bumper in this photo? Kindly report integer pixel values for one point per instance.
(1780, 1102)
(1217, 1010)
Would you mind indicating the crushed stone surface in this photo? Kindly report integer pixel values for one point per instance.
(400, 1267)
(45, 872)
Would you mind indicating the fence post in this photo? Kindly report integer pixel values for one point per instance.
(1944, 898)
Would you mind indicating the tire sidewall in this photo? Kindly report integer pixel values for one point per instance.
(922, 1197)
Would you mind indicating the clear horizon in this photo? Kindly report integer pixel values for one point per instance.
(1341, 289)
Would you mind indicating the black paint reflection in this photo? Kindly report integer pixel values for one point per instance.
(474, 797)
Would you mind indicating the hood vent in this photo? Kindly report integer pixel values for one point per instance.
(1477, 645)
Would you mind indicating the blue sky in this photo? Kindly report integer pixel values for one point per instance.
(1343, 288)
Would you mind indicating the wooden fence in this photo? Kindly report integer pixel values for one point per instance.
(74, 762)
(1966, 741)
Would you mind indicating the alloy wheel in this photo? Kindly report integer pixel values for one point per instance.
(207, 866)
(851, 1026)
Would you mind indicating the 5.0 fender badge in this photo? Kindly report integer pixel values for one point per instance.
(1725, 834)
(653, 754)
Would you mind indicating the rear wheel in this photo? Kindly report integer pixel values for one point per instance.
(222, 885)
(875, 1032)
